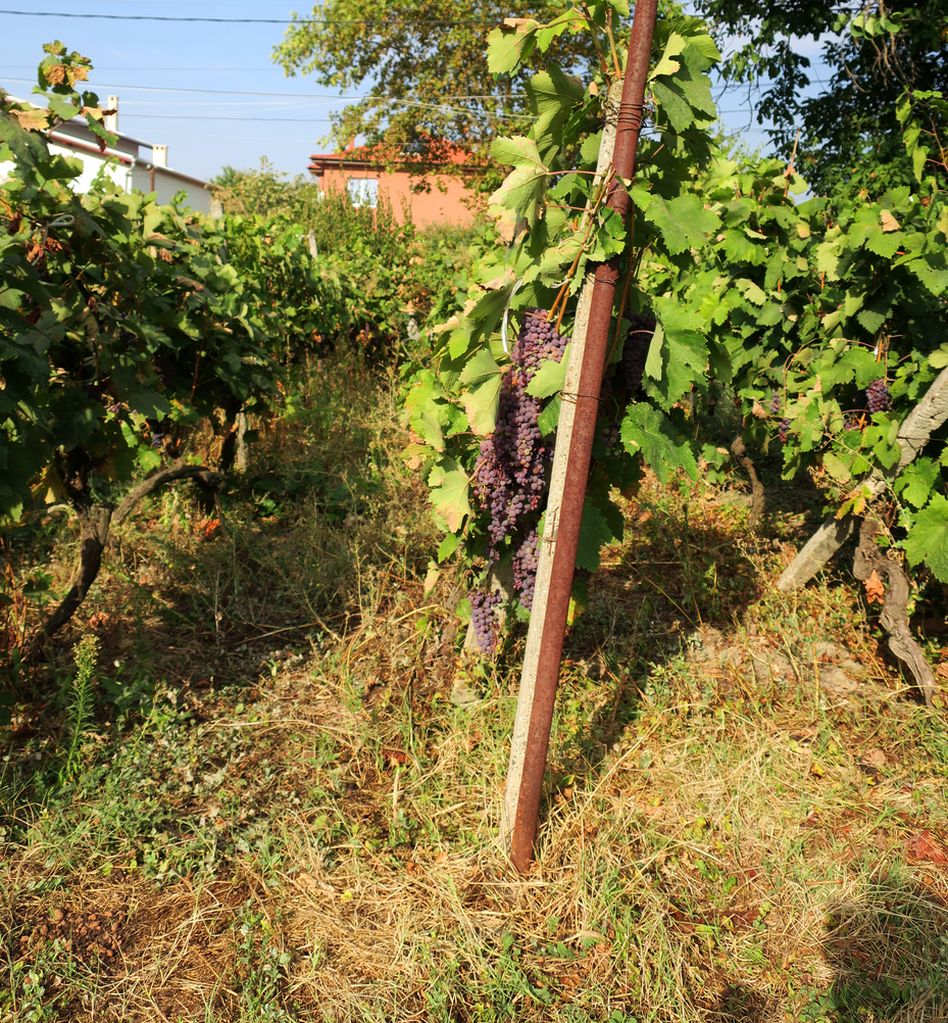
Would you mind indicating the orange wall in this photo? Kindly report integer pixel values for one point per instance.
(445, 203)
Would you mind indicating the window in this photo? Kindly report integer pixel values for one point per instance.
(363, 191)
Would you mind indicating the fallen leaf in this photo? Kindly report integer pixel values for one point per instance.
(875, 590)
(206, 528)
(875, 759)
(924, 846)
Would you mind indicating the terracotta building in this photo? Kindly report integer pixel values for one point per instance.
(428, 196)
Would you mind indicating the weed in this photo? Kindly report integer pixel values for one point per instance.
(80, 700)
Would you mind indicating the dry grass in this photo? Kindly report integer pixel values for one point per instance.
(745, 818)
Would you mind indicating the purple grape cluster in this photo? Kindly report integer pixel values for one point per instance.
(484, 604)
(537, 340)
(635, 350)
(510, 473)
(878, 397)
(783, 431)
(509, 476)
(774, 403)
(525, 561)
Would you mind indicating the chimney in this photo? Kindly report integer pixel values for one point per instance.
(159, 156)
(110, 121)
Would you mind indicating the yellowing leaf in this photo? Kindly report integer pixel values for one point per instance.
(875, 590)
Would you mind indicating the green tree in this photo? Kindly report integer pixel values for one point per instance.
(874, 52)
(423, 66)
(267, 192)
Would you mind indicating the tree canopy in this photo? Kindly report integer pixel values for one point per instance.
(423, 66)
(874, 52)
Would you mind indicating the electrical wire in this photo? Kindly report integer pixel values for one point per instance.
(209, 20)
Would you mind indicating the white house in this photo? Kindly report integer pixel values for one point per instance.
(131, 163)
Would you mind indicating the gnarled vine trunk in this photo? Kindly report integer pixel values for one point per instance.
(927, 416)
(95, 525)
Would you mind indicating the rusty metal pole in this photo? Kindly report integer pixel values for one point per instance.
(561, 539)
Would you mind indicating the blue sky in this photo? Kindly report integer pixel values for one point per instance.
(158, 71)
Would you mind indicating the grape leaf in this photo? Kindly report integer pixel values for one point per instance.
(594, 534)
(836, 467)
(480, 367)
(927, 540)
(647, 430)
(480, 405)
(521, 192)
(550, 416)
(449, 493)
(667, 65)
(517, 151)
(507, 47)
(683, 222)
(447, 547)
(917, 481)
(548, 378)
(684, 351)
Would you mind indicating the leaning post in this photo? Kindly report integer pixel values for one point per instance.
(574, 440)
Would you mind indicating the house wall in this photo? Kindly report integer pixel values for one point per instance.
(166, 186)
(447, 201)
(91, 165)
(130, 176)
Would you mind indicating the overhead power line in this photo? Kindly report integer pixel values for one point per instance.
(254, 92)
(395, 100)
(208, 20)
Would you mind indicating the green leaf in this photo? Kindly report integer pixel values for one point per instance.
(550, 416)
(554, 94)
(684, 350)
(871, 319)
(647, 430)
(883, 244)
(449, 493)
(927, 540)
(507, 47)
(836, 468)
(480, 367)
(682, 223)
(667, 65)
(424, 412)
(917, 481)
(521, 192)
(517, 151)
(447, 547)
(548, 378)
(594, 534)
(480, 405)
(589, 151)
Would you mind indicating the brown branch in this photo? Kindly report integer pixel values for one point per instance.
(95, 526)
(176, 471)
(894, 616)
(927, 416)
(758, 494)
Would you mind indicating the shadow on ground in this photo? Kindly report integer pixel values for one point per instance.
(889, 953)
(677, 577)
